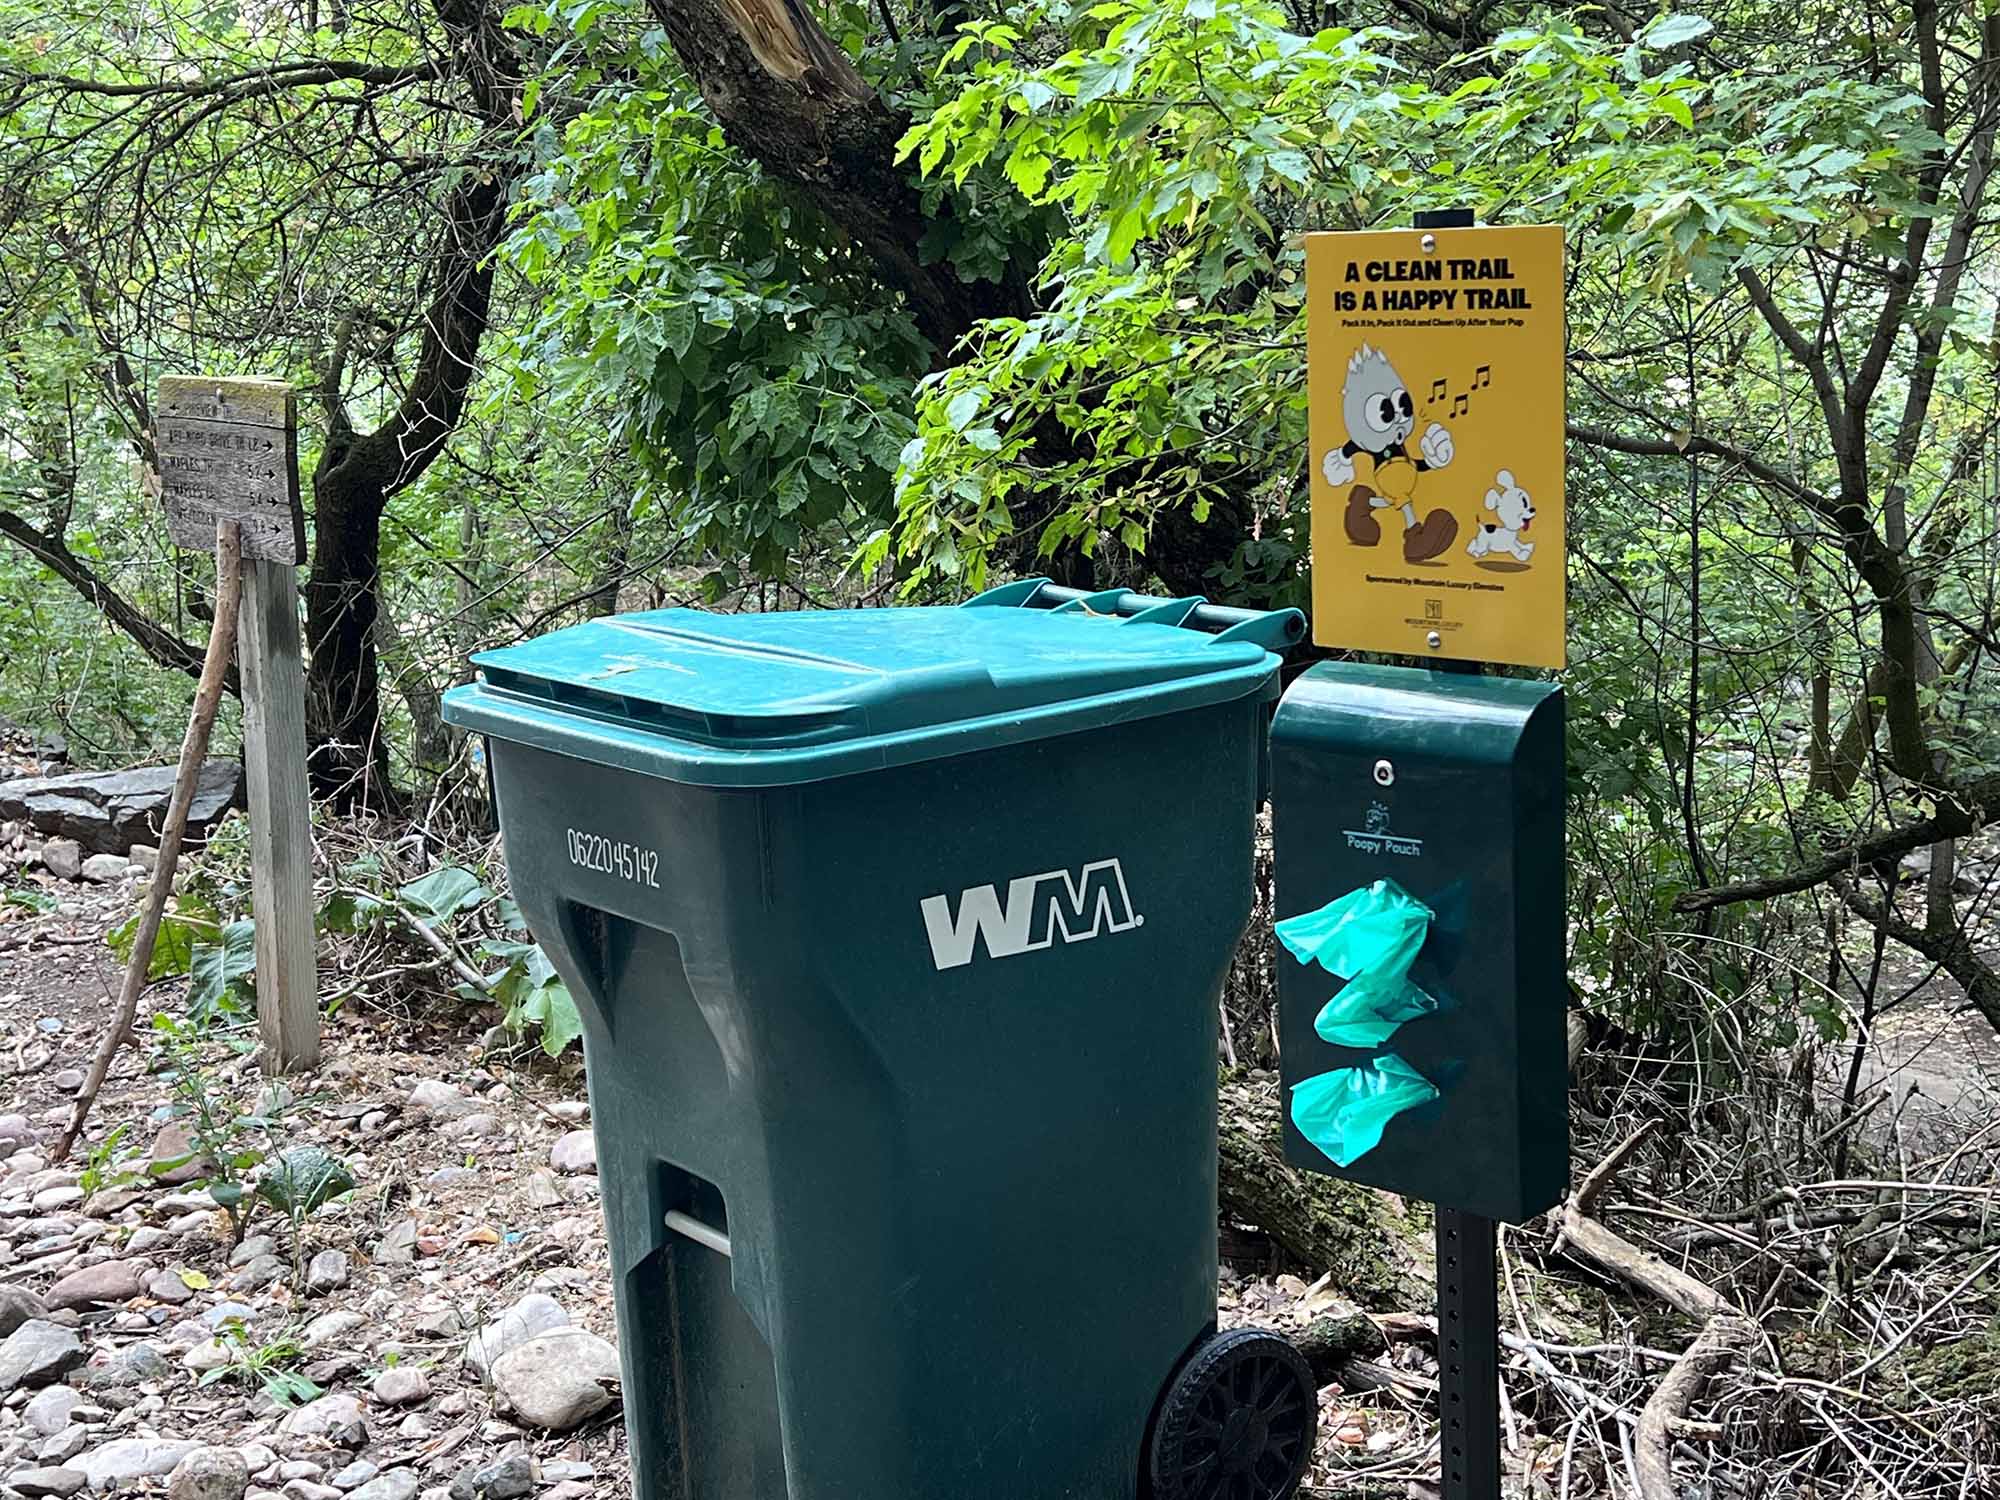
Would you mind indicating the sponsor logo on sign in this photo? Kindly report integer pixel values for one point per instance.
(1034, 913)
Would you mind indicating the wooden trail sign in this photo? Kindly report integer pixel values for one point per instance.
(1436, 377)
(229, 450)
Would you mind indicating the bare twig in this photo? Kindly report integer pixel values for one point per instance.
(194, 750)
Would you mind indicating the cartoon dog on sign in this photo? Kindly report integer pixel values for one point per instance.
(1512, 513)
(1380, 416)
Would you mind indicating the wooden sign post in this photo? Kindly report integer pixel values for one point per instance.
(229, 451)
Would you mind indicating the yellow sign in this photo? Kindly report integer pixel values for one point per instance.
(1437, 442)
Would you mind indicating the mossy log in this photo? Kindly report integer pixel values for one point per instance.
(1376, 1245)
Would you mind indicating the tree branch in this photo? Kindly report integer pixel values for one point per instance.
(1951, 949)
(1703, 447)
(159, 643)
(1961, 811)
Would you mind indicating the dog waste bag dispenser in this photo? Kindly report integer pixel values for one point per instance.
(897, 935)
(1419, 865)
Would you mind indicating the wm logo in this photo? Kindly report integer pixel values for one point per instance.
(1036, 910)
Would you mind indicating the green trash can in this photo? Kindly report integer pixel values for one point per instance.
(897, 936)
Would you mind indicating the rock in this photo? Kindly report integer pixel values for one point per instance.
(135, 1364)
(402, 1385)
(556, 1380)
(65, 1445)
(534, 1314)
(38, 1353)
(145, 856)
(174, 1160)
(568, 1489)
(250, 1247)
(301, 1468)
(559, 1470)
(574, 1152)
(105, 869)
(107, 1281)
(544, 1191)
(48, 1413)
(258, 1274)
(435, 1097)
(396, 1484)
(503, 1479)
(354, 1475)
(62, 858)
(257, 1457)
(322, 1417)
(118, 1463)
(327, 1272)
(54, 1199)
(209, 1354)
(398, 1247)
(309, 1489)
(209, 1474)
(452, 1176)
(16, 1131)
(146, 1238)
(107, 812)
(168, 1287)
(17, 1305)
(36, 1483)
(329, 1330)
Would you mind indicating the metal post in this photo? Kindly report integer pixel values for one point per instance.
(1468, 1357)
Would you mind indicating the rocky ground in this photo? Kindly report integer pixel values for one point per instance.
(451, 1314)
(442, 1331)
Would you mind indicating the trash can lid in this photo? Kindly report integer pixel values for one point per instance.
(803, 695)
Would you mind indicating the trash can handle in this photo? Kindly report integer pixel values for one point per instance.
(700, 1233)
(1273, 629)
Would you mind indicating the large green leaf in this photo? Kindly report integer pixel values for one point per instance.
(299, 1180)
(444, 892)
(173, 947)
(217, 971)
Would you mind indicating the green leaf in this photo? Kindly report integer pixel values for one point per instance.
(1673, 30)
(173, 945)
(963, 407)
(216, 971)
(350, 911)
(447, 890)
(555, 1008)
(301, 1179)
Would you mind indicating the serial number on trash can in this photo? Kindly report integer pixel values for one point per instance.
(593, 851)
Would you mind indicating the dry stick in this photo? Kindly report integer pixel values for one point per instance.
(1726, 1332)
(194, 750)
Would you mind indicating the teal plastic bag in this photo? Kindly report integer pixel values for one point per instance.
(1375, 929)
(1344, 1112)
(1369, 1009)
(1369, 937)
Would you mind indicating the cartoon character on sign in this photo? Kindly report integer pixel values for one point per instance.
(1380, 417)
(1507, 532)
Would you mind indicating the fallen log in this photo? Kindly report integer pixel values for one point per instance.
(1378, 1250)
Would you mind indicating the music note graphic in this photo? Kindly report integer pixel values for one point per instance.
(1482, 377)
(1437, 391)
(1460, 404)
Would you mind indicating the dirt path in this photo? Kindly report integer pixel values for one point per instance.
(458, 1215)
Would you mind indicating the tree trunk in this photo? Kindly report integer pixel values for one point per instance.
(348, 761)
(358, 474)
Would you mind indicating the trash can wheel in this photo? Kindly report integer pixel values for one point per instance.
(1237, 1421)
